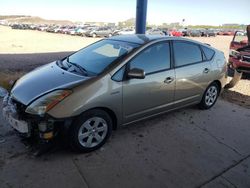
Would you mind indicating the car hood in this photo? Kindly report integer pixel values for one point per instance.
(43, 80)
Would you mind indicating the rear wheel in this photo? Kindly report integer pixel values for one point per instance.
(90, 131)
(210, 96)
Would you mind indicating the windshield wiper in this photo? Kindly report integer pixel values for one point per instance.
(60, 64)
(82, 70)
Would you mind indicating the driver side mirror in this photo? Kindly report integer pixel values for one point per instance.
(136, 73)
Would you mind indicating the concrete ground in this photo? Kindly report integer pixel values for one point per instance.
(185, 148)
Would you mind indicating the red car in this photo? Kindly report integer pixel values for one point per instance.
(175, 33)
(239, 55)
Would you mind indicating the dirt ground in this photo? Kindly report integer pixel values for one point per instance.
(28, 41)
(24, 50)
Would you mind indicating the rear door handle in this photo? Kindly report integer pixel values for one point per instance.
(206, 70)
(168, 80)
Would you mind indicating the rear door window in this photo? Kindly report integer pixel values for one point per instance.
(186, 53)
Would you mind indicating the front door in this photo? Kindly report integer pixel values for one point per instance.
(154, 93)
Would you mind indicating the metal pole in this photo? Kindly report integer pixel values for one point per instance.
(141, 16)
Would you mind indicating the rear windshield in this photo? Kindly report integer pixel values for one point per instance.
(98, 56)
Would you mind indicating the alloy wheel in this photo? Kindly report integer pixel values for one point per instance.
(211, 95)
(92, 132)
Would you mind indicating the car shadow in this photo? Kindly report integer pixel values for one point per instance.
(236, 98)
(28, 61)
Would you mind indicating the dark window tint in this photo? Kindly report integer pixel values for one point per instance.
(186, 53)
(153, 59)
(209, 53)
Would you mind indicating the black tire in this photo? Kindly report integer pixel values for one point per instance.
(205, 104)
(78, 126)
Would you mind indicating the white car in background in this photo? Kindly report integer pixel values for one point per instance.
(127, 31)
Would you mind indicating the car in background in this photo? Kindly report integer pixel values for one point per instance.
(210, 33)
(226, 32)
(100, 32)
(20, 26)
(175, 33)
(195, 33)
(42, 27)
(16, 26)
(113, 82)
(85, 32)
(71, 30)
(125, 31)
(51, 29)
(155, 31)
(184, 32)
(239, 53)
(80, 30)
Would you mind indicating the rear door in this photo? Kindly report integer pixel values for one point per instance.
(154, 93)
(193, 72)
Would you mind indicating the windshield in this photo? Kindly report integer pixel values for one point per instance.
(96, 57)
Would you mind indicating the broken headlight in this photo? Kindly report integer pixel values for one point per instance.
(234, 53)
(47, 102)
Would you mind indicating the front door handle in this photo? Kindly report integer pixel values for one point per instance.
(168, 80)
(206, 70)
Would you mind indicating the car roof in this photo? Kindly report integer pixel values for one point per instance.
(137, 38)
(142, 39)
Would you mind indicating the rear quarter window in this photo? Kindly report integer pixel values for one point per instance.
(209, 53)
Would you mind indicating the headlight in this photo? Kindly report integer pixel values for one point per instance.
(47, 102)
(234, 53)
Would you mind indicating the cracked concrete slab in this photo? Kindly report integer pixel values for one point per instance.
(219, 183)
(226, 122)
(185, 148)
(240, 175)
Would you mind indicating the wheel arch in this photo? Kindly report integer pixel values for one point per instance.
(219, 84)
(110, 112)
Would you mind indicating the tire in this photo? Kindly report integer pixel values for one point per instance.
(84, 135)
(94, 35)
(210, 96)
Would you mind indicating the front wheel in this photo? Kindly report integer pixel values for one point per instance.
(210, 96)
(90, 131)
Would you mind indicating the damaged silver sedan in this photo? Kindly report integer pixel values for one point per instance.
(115, 81)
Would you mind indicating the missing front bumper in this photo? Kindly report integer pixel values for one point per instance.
(19, 125)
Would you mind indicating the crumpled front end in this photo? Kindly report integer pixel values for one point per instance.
(27, 125)
(240, 59)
